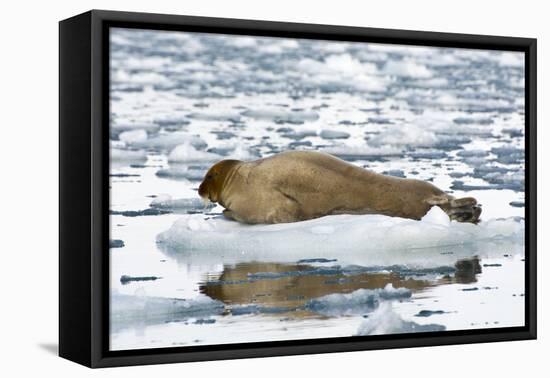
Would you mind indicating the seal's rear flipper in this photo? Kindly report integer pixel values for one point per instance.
(459, 209)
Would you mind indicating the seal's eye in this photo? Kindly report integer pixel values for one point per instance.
(209, 176)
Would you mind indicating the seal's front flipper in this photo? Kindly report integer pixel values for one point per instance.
(232, 216)
(462, 209)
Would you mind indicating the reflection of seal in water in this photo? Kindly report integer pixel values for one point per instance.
(300, 185)
(293, 285)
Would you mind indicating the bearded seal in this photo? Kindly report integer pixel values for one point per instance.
(300, 185)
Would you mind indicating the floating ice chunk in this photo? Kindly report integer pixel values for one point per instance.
(149, 62)
(460, 185)
(341, 71)
(427, 154)
(405, 135)
(333, 47)
(514, 133)
(169, 141)
(131, 308)
(509, 155)
(223, 134)
(139, 213)
(278, 47)
(215, 115)
(122, 155)
(141, 78)
(395, 173)
(363, 153)
(473, 120)
(281, 115)
(385, 321)
(298, 135)
(334, 134)
(172, 120)
(416, 51)
(120, 126)
(186, 153)
(241, 42)
(357, 302)
(407, 68)
(357, 239)
(342, 64)
(475, 161)
(183, 172)
(512, 59)
(134, 136)
(501, 177)
(446, 60)
(436, 82)
(191, 205)
(347, 63)
(380, 120)
(472, 153)
(446, 99)
(242, 153)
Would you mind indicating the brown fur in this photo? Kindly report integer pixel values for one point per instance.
(300, 185)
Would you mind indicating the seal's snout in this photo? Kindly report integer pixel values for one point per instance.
(202, 191)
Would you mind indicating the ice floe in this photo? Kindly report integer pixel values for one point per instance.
(385, 321)
(406, 68)
(134, 136)
(358, 302)
(281, 115)
(190, 205)
(124, 155)
(186, 153)
(183, 172)
(405, 135)
(334, 134)
(126, 309)
(363, 153)
(167, 142)
(357, 239)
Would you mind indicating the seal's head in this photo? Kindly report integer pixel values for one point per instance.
(216, 178)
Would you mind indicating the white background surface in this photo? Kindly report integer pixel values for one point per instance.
(29, 186)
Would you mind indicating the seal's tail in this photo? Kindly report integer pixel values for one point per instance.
(460, 209)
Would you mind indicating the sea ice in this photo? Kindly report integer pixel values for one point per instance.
(123, 155)
(133, 136)
(407, 68)
(166, 142)
(215, 115)
(385, 321)
(281, 115)
(125, 308)
(183, 172)
(363, 153)
(334, 134)
(358, 302)
(354, 239)
(166, 202)
(405, 135)
(186, 153)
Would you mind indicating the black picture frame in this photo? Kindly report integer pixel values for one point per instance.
(84, 192)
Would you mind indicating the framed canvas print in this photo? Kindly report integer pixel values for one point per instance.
(234, 188)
